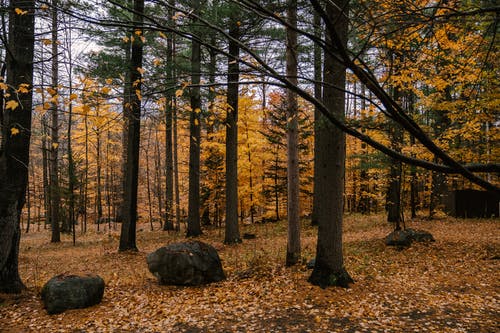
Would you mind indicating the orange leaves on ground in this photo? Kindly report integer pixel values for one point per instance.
(443, 286)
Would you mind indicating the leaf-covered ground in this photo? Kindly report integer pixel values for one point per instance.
(451, 285)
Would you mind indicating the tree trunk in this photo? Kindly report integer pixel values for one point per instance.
(14, 149)
(128, 230)
(232, 233)
(293, 204)
(98, 173)
(317, 115)
(55, 195)
(127, 91)
(169, 163)
(393, 199)
(194, 226)
(329, 266)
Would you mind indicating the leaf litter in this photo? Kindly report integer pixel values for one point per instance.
(451, 285)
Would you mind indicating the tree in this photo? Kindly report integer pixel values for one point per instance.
(194, 226)
(55, 196)
(232, 234)
(128, 230)
(293, 204)
(15, 131)
(329, 265)
(169, 158)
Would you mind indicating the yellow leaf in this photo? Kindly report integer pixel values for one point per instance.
(162, 35)
(72, 97)
(19, 11)
(126, 39)
(156, 62)
(44, 7)
(109, 81)
(138, 32)
(11, 105)
(197, 110)
(3, 86)
(14, 131)
(196, 122)
(23, 88)
(179, 93)
(105, 90)
(138, 93)
(140, 70)
(143, 39)
(51, 91)
(55, 145)
(46, 41)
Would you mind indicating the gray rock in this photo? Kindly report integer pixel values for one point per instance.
(420, 235)
(64, 292)
(188, 263)
(403, 238)
(398, 238)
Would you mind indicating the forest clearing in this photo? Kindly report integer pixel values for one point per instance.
(450, 285)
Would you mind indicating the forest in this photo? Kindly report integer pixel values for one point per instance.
(327, 166)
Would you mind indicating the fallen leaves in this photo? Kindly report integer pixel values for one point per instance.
(444, 286)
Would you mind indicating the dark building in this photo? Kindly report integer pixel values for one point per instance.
(472, 203)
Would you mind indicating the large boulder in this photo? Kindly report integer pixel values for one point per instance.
(398, 238)
(64, 292)
(188, 263)
(403, 238)
(420, 235)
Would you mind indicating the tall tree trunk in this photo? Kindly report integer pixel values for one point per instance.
(127, 93)
(317, 115)
(71, 165)
(232, 232)
(293, 204)
(329, 266)
(128, 230)
(98, 173)
(393, 199)
(45, 169)
(194, 226)
(169, 163)
(14, 149)
(55, 195)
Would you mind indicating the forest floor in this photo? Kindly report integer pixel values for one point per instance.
(451, 285)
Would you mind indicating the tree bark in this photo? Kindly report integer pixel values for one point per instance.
(169, 160)
(329, 266)
(393, 199)
(317, 114)
(194, 226)
(128, 230)
(14, 149)
(55, 196)
(232, 233)
(293, 204)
